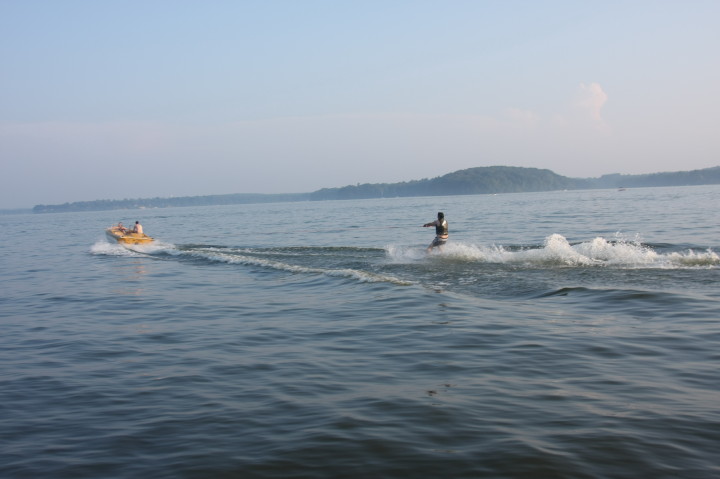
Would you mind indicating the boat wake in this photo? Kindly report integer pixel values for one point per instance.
(332, 261)
(411, 265)
(558, 251)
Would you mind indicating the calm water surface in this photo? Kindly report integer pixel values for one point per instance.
(563, 334)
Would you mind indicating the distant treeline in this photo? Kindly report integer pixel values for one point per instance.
(472, 181)
(211, 200)
(707, 176)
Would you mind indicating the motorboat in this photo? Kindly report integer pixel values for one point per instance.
(126, 236)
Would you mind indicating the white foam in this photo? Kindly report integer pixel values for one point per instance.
(620, 252)
(404, 254)
(691, 258)
(106, 248)
(152, 248)
(556, 250)
(103, 248)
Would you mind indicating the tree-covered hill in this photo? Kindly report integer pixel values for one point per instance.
(472, 181)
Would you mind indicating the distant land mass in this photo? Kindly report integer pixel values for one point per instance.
(471, 181)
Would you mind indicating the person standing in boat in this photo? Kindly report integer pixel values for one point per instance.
(137, 228)
(441, 231)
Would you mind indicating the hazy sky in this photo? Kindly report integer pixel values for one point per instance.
(103, 99)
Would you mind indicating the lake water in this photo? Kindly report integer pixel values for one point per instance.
(565, 334)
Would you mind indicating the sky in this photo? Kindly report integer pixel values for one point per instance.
(120, 99)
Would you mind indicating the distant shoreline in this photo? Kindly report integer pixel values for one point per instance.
(479, 180)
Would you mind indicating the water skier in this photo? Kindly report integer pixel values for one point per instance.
(441, 232)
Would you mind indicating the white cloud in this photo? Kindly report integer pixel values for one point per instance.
(592, 98)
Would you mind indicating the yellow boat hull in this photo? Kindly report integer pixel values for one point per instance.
(127, 237)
